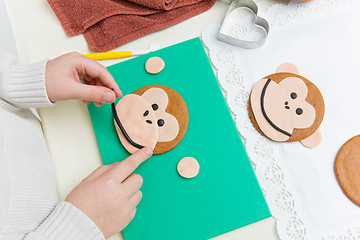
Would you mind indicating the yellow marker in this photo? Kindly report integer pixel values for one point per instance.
(121, 54)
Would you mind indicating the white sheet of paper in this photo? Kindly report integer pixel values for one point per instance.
(326, 48)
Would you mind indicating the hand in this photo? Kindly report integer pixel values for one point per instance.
(63, 75)
(110, 194)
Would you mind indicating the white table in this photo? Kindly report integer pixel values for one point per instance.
(67, 126)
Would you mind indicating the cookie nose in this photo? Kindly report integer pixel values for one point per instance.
(286, 103)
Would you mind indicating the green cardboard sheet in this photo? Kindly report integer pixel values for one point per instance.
(225, 195)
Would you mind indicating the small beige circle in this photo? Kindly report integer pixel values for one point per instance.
(288, 67)
(188, 167)
(313, 141)
(154, 65)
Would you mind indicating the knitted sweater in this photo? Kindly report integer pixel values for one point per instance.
(29, 206)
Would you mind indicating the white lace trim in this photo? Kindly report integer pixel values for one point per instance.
(279, 190)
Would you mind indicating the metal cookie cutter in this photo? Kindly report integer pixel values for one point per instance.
(222, 36)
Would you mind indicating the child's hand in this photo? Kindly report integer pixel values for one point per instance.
(63, 75)
(110, 194)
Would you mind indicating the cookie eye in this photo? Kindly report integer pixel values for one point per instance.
(160, 122)
(293, 95)
(155, 107)
(146, 113)
(299, 111)
(149, 122)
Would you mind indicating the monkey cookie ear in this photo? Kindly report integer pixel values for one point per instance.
(313, 140)
(288, 67)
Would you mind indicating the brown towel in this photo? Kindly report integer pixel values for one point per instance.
(159, 4)
(107, 24)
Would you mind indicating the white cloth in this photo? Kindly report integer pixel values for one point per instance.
(29, 207)
(7, 38)
(322, 38)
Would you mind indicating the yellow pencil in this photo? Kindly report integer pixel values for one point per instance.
(121, 54)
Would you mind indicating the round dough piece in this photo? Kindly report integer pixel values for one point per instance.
(347, 168)
(188, 167)
(154, 65)
(313, 141)
(176, 107)
(288, 67)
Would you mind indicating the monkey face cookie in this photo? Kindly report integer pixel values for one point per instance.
(154, 116)
(287, 107)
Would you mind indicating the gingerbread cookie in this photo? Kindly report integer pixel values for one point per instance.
(155, 116)
(347, 167)
(286, 107)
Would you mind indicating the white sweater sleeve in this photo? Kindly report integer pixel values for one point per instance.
(66, 222)
(23, 86)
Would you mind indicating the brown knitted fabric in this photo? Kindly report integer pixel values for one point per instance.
(107, 24)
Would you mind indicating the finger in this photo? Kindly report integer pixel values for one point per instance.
(127, 166)
(135, 199)
(132, 184)
(86, 102)
(99, 171)
(93, 82)
(98, 104)
(88, 81)
(97, 94)
(132, 214)
(95, 70)
(98, 83)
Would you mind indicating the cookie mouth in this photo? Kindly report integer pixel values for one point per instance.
(118, 122)
(264, 112)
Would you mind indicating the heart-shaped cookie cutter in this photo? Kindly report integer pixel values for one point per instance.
(249, 4)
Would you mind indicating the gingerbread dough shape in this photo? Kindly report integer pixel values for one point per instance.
(155, 116)
(347, 167)
(286, 107)
(188, 167)
(154, 65)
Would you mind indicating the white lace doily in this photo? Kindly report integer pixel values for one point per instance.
(235, 77)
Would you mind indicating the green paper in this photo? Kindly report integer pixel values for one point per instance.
(225, 195)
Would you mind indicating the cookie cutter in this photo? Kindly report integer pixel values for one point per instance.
(251, 5)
